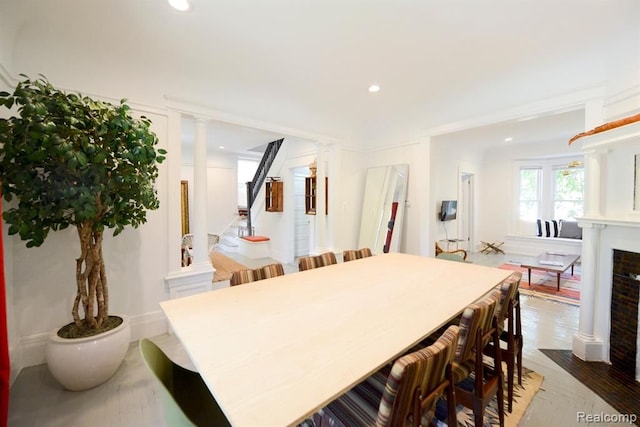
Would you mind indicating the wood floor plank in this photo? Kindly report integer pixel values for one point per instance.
(615, 387)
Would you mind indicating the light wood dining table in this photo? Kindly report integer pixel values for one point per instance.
(272, 352)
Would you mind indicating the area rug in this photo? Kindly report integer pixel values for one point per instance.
(616, 388)
(224, 266)
(522, 397)
(545, 285)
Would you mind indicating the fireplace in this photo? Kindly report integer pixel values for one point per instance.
(608, 327)
(625, 290)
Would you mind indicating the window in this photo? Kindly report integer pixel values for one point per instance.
(568, 193)
(548, 189)
(530, 186)
(246, 170)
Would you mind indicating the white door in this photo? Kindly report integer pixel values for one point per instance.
(301, 228)
(465, 212)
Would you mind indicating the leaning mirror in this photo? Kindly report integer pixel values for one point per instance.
(383, 206)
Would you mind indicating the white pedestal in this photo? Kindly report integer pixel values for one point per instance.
(254, 250)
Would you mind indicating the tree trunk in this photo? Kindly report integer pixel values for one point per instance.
(91, 279)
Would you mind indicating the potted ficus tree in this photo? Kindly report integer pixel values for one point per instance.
(72, 161)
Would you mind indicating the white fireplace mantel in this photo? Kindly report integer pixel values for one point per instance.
(609, 223)
(611, 137)
(633, 220)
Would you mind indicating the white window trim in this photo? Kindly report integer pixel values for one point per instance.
(548, 165)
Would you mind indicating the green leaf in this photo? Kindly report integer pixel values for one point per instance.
(68, 158)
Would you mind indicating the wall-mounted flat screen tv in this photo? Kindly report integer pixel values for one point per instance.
(448, 210)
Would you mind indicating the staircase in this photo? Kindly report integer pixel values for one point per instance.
(254, 186)
(242, 225)
(229, 239)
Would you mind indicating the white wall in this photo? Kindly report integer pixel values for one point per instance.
(40, 281)
(497, 186)
(618, 184)
(43, 280)
(222, 201)
(447, 162)
(415, 229)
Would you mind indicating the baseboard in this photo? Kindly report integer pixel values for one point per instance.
(31, 351)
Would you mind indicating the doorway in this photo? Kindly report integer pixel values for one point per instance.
(465, 211)
(301, 232)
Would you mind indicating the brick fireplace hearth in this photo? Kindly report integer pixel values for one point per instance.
(625, 290)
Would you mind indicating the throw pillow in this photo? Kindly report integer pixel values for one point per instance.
(570, 230)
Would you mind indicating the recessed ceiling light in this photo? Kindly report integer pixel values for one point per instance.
(374, 88)
(508, 139)
(181, 5)
(221, 147)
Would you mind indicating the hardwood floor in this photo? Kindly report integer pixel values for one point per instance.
(617, 388)
(130, 399)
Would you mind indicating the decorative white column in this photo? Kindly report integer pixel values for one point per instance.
(321, 218)
(200, 249)
(585, 344)
(198, 276)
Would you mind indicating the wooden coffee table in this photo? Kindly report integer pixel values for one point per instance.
(551, 261)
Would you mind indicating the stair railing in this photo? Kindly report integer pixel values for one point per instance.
(253, 186)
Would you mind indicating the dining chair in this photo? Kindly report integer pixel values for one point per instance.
(254, 274)
(402, 394)
(451, 255)
(187, 246)
(240, 277)
(187, 249)
(272, 270)
(214, 239)
(353, 254)
(508, 312)
(186, 399)
(322, 260)
(478, 326)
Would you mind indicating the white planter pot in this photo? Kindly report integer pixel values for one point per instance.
(83, 363)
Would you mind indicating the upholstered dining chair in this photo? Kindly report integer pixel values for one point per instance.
(186, 399)
(254, 274)
(508, 312)
(402, 394)
(322, 260)
(271, 270)
(353, 254)
(455, 255)
(240, 277)
(187, 249)
(477, 327)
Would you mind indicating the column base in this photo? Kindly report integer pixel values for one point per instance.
(588, 348)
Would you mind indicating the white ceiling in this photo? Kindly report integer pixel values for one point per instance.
(307, 64)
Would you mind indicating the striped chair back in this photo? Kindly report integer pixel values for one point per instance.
(244, 276)
(251, 275)
(508, 292)
(475, 318)
(271, 270)
(351, 254)
(322, 260)
(416, 382)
